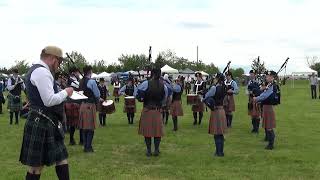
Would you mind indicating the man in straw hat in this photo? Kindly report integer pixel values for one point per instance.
(43, 134)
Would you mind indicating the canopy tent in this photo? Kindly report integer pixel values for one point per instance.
(302, 72)
(186, 71)
(203, 73)
(94, 75)
(134, 73)
(169, 70)
(103, 75)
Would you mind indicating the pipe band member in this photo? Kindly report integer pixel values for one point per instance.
(129, 90)
(176, 106)
(153, 94)
(15, 86)
(43, 138)
(104, 93)
(198, 88)
(254, 109)
(268, 99)
(217, 122)
(229, 103)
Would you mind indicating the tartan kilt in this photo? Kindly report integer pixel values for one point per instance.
(176, 108)
(116, 92)
(129, 109)
(198, 107)
(269, 117)
(39, 146)
(167, 105)
(72, 113)
(229, 105)
(218, 122)
(150, 124)
(12, 106)
(255, 112)
(87, 117)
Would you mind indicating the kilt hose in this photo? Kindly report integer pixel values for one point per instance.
(255, 111)
(39, 145)
(150, 124)
(87, 117)
(229, 105)
(198, 107)
(129, 109)
(72, 113)
(176, 108)
(218, 122)
(13, 106)
(269, 117)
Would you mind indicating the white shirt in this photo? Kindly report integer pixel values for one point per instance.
(11, 86)
(314, 80)
(43, 80)
(188, 79)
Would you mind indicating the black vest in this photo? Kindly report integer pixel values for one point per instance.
(219, 95)
(200, 87)
(17, 90)
(103, 92)
(86, 91)
(177, 96)
(35, 98)
(129, 90)
(154, 94)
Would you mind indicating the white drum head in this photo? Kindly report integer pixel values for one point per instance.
(107, 103)
(192, 95)
(129, 97)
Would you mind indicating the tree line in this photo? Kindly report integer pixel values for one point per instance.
(133, 62)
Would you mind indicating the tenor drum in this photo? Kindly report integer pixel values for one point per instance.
(108, 107)
(193, 99)
(130, 101)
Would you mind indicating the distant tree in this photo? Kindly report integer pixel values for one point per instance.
(133, 62)
(78, 59)
(99, 66)
(211, 69)
(237, 72)
(22, 66)
(114, 68)
(316, 67)
(258, 66)
(4, 70)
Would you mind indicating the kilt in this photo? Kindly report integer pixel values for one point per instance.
(198, 107)
(129, 109)
(87, 117)
(150, 124)
(100, 108)
(255, 112)
(229, 105)
(218, 122)
(72, 113)
(166, 106)
(116, 92)
(12, 106)
(39, 146)
(176, 108)
(269, 117)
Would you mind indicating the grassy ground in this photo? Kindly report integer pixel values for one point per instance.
(188, 153)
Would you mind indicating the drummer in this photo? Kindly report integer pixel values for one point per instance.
(116, 87)
(104, 93)
(198, 88)
(87, 117)
(127, 90)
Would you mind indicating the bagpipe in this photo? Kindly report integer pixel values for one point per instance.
(277, 90)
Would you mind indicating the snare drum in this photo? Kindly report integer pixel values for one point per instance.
(193, 99)
(108, 107)
(130, 101)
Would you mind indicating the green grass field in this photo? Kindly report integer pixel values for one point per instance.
(188, 153)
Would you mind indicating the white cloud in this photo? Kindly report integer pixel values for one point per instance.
(227, 30)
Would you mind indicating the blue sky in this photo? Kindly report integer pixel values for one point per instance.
(224, 30)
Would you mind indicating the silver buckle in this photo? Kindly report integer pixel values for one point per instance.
(37, 119)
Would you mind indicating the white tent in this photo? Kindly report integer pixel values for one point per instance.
(203, 73)
(94, 75)
(134, 73)
(169, 70)
(304, 72)
(103, 75)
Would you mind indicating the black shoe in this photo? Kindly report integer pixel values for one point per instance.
(269, 147)
(195, 123)
(156, 153)
(72, 143)
(85, 150)
(148, 154)
(252, 131)
(90, 150)
(219, 155)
